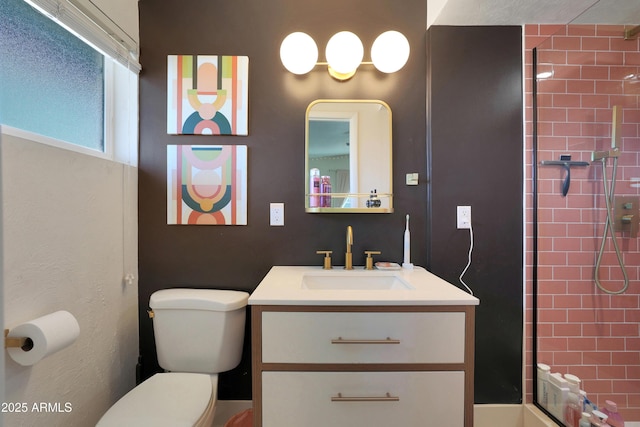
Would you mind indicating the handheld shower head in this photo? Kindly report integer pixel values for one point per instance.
(616, 127)
(616, 137)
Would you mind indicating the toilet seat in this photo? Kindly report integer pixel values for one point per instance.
(166, 400)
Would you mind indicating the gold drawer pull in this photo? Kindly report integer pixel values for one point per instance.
(386, 398)
(388, 340)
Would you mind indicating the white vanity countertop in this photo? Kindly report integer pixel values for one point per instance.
(283, 286)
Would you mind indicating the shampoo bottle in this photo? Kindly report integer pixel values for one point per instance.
(572, 409)
(599, 419)
(325, 189)
(314, 188)
(611, 410)
(543, 384)
(584, 421)
(558, 393)
(587, 405)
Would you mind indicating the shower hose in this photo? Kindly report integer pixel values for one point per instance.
(609, 191)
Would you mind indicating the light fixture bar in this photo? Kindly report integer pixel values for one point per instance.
(344, 53)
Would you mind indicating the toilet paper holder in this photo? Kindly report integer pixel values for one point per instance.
(23, 342)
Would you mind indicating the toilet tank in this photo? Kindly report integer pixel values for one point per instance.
(198, 330)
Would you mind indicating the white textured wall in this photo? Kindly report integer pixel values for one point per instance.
(69, 235)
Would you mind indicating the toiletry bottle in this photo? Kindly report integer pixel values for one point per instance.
(588, 406)
(558, 392)
(599, 419)
(584, 421)
(583, 401)
(543, 384)
(572, 409)
(374, 201)
(314, 188)
(611, 410)
(325, 189)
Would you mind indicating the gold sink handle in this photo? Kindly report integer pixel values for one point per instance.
(369, 260)
(327, 259)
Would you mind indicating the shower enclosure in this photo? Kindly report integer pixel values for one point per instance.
(584, 192)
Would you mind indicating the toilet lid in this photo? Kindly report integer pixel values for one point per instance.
(164, 400)
(198, 299)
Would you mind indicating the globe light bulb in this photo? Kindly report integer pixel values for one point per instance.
(390, 51)
(298, 53)
(344, 54)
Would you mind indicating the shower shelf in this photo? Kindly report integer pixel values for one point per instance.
(566, 164)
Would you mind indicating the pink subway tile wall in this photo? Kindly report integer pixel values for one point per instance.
(582, 330)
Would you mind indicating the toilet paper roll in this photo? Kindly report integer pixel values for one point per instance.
(48, 334)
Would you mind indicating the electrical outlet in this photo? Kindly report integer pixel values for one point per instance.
(276, 214)
(464, 217)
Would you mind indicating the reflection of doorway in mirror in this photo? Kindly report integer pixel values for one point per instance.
(333, 150)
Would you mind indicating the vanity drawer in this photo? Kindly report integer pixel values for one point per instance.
(363, 337)
(362, 399)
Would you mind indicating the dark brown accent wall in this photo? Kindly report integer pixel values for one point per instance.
(475, 147)
(238, 257)
(473, 139)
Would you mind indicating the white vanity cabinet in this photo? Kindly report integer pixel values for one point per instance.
(362, 366)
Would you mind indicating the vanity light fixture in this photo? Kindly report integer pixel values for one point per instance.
(344, 53)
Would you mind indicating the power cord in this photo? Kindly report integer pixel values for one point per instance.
(469, 256)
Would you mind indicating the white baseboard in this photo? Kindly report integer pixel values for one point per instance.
(497, 416)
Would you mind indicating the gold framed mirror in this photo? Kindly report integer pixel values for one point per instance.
(348, 156)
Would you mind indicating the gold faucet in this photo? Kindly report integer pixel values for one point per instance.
(348, 257)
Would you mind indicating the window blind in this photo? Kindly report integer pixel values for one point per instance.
(89, 23)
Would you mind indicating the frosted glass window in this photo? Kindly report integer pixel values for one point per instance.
(51, 82)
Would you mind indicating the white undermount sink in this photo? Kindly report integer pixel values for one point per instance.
(354, 281)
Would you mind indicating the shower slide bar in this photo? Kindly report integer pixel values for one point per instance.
(609, 194)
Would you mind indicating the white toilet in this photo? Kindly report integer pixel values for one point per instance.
(198, 333)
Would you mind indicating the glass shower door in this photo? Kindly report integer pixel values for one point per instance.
(587, 128)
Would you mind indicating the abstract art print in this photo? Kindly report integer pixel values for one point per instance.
(207, 94)
(207, 184)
